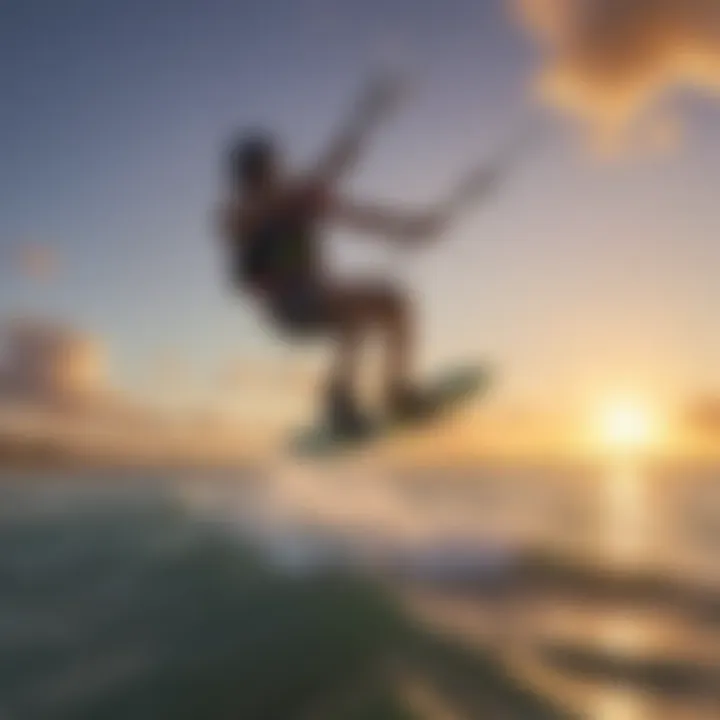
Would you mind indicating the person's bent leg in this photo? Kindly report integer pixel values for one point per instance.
(390, 310)
(309, 310)
(399, 342)
(361, 308)
(353, 311)
(348, 313)
(347, 334)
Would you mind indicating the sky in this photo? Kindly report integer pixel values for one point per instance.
(584, 277)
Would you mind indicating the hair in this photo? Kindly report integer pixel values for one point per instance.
(251, 157)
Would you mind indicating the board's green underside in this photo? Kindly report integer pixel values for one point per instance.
(450, 389)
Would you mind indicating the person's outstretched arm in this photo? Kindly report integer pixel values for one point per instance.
(376, 102)
(403, 224)
(393, 223)
(409, 226)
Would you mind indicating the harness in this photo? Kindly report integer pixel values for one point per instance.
(275, 254)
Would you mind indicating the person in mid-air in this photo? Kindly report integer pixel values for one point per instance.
(270, 223)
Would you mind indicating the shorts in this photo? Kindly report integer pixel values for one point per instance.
(303, 309)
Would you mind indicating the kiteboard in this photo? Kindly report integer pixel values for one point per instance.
(447, 392)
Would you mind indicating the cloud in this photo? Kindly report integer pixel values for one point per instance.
(51, 365)
(612, 63)
(55, 384)
(703, 416)
(56, 369)
(55, 387)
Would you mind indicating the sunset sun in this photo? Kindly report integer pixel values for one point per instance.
(627, 426)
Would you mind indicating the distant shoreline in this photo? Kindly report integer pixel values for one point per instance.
(68, 462)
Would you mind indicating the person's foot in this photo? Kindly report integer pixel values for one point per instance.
(345, 417)
(409, 403)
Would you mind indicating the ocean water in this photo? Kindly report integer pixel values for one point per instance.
(350, 591)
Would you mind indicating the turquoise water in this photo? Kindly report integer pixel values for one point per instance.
(122, 597)
(283, 593)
